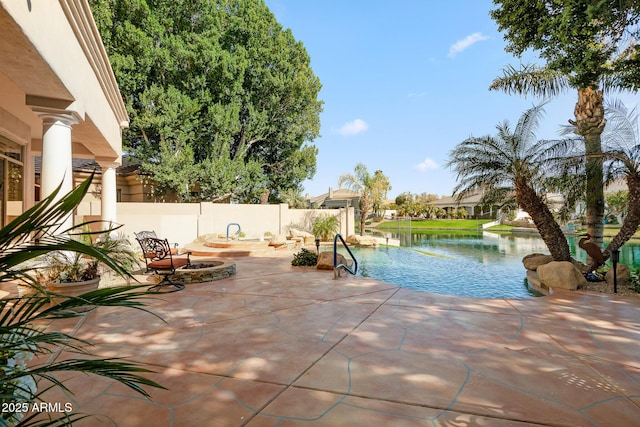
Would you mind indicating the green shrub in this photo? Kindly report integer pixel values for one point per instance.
(635, 280)
(324, 228)
(304, 258)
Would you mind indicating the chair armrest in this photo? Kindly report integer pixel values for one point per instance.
(188, 254)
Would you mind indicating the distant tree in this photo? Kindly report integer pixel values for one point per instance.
(221, 84)
(372, 189)
(417, 205)
(379, 190)
(403, 198)
(617, 203)
(461, 213)
(294, 197)
(512, 162)
(588, 45)
(427, 198)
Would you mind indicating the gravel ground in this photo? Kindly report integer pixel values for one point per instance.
(623, 289)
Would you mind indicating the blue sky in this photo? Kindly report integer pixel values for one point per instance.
(403, 83)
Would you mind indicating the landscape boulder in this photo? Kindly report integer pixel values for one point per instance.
(536, 283)
(278, 240)
(367, 241)
(580, 265)
(561, 275)
(294, 232)
(623, 275)
(325, 260)
(533, 261)
(301, 236)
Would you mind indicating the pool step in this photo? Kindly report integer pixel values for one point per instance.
(202, 250)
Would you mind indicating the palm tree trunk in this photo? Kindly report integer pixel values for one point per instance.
(632, 219)
(590, 123)
(542, 217)
(365, 205)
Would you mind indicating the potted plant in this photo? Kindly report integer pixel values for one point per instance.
(25, 321)
(73, 273)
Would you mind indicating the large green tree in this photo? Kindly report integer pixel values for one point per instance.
(512, 163)
(587, 46)
(212, 84)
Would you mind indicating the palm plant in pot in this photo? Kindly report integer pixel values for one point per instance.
(73, 273)
(27, 323)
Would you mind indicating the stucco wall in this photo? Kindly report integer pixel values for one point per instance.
(184, 222)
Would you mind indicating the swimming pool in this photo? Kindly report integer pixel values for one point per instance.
(483, 265)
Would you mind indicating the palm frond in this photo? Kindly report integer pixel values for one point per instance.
(621, 132)
(528, 124)
(126, 373)
(33, 234)
(34, 420)
(531, 79)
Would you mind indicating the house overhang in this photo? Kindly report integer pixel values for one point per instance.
(53, 57)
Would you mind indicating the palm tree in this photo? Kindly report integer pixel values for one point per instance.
(293, 196)
(587, 46)
(26, 238)
(512, 162)
(589, 123)
(381, 187)
(622, 160)
(372, 189)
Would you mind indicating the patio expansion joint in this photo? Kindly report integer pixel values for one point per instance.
(329, 349)
(56, 353)
(442, 408)
(583, 359)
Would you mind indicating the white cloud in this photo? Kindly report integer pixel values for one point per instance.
(353, 128)
(463, 44)
(427, 164)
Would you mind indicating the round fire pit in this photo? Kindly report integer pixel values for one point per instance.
(202, 271)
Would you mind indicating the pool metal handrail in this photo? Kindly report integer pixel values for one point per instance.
(336, 266)
(229, 225)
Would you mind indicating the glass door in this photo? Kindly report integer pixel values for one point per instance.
(11, 181)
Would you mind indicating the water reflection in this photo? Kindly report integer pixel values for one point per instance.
(482, 265)
(488, 247)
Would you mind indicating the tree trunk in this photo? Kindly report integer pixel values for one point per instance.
(365, 205)
(632, 219)
(542, 217)
(590, 123)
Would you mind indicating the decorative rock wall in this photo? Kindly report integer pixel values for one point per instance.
(219, 270)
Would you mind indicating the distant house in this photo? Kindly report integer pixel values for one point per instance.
(335, 199)
(472, 204)
(132, 185)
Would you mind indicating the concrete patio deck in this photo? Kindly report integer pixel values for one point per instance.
(282, 346)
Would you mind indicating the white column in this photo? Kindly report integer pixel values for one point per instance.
(57, 169)
(109, 196)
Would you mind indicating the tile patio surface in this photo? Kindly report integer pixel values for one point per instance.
(282, 346)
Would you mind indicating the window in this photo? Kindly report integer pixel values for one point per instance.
(11, 180)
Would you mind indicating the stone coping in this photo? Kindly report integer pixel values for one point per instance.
(218, 270)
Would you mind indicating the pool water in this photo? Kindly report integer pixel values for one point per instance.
(483, 265)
